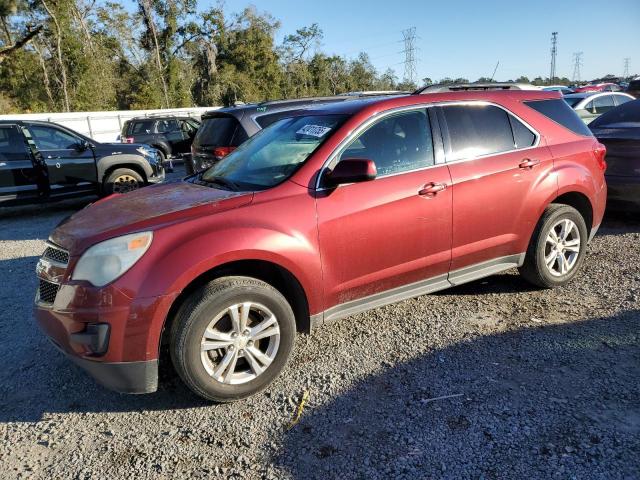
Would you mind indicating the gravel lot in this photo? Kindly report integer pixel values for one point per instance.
(543, 384)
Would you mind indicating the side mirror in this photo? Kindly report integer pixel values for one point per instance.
(82, 145)
(352, 170)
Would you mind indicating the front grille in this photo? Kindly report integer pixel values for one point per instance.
(47, 291)
(56, 254)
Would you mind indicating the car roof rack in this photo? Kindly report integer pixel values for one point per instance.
(374, 93)
(464, 87)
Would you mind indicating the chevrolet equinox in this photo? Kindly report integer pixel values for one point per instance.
(337, 209)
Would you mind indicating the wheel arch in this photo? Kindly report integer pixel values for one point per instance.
(581, 203)
(106, 165)
(276, 275)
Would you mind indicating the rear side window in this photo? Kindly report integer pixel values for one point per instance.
(634, 85)
(475, 130)
(603, 104)
(622, 99)
(166, 126)
(11, 142)
(141, 127)
(523, 137)
(220, 132)
(561, 113)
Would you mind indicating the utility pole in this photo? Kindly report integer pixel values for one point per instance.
(626, 67)
(554, 52)
(577, 63)
(410, 70)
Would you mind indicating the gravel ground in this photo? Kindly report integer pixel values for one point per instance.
(540, 384)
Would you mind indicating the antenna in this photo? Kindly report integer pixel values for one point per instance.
(626, 67)
(554, 52)
(494, 71)
(577, 63)
(410, 70)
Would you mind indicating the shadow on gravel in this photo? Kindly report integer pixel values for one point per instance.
(31, 222)
(553, 401)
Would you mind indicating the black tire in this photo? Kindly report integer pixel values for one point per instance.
(534, 269)
(122, 180)
(195, 315)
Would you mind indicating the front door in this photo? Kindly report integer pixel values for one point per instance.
(383, 234)
(72, 167)
(18, 175)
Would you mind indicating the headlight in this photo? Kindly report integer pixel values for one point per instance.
(144, 152)
(108, 260)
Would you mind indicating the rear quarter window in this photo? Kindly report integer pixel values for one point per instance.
(220, 132)
(561, 113)
(142, 127)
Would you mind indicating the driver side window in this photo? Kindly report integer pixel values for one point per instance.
(398, 143)
(50, 138)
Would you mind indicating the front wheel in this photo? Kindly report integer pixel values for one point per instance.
(122, 180)
(557, 248)
(232, 338)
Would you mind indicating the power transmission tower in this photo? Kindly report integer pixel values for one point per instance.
(577, 63)
(554, 52)
(410, 70)
(626, 67)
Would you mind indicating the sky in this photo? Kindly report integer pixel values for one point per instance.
(462, 38)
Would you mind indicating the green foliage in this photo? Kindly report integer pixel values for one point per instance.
(98, 55)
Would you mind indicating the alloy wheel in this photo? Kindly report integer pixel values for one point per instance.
(125, 183)
(562, 247)
(240, 343)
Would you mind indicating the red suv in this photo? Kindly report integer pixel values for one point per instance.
(335, 210)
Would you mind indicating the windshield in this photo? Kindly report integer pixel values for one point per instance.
(272, 155)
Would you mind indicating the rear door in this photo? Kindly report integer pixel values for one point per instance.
(217, 136)
(169, 130)
(71, 167)
(18, 175)
(500, 172)
(395, 230)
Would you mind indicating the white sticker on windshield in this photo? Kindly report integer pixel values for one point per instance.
(313, 130)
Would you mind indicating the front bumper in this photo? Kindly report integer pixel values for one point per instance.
(123, 377)
(157, 176)
(113, 335)
(623, 192)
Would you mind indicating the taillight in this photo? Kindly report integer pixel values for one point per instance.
(601, 152)
(127, 140)
(222, 151)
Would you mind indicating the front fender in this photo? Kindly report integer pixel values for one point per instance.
(122, 159)
(172, 263)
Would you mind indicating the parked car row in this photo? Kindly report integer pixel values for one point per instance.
(42, 161)
(332, 209)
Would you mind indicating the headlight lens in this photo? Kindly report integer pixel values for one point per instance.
(108, 260)
(144, 152)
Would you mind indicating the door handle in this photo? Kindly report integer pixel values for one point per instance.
(528, 163)
(431, 189)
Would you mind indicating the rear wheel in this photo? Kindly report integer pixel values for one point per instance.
(232, 338)
(557, 247)
(122, 180)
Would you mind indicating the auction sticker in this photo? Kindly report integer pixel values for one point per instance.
(313, 130)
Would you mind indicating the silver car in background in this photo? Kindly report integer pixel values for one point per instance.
(590, 105)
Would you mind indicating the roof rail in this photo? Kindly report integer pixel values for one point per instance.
(463, 87)
(374, 93)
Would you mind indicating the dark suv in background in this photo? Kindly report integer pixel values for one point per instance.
(222, 131)
(171, 135)
(44, 161)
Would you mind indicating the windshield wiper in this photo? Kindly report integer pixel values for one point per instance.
(222, 181)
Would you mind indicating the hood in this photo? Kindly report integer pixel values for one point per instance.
(146, 209)
(117, 148)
